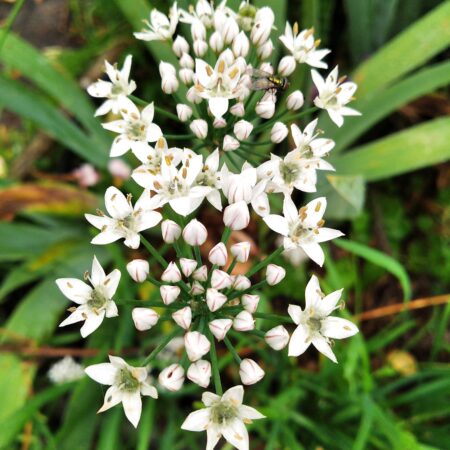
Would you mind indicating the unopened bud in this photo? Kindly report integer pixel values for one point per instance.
(138, 270)
(144, 318)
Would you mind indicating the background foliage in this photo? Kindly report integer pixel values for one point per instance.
(390, 195)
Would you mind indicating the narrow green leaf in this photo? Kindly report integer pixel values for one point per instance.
(380, 259)
(359, 15)
(417, 147)
(412, 48)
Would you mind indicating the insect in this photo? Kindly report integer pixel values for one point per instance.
(265, 81)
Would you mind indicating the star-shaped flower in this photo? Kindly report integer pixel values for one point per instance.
(160, 27)
(315, 325)
(95, 303)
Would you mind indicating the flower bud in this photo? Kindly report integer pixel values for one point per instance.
(187, 266)
(216, 42)
(274, 274)
(172, 377)
(279, 132)
(265, 109)
(250, 302)
(187, 62)
(138, 270)
(241, 45)
(198, 30)
(170, 231)
(264, 51)
(169, 293)
(192, 95)
(184, 112)
(238, 110)
(201, 274)
(295, 101)
(241, 63)
(218, 255)
(262, 27)
(242, 129)
(286, 66)
(172, 274)
(277, 337)
(186, 76)
(230, 143)
(199, 127)
(166, 69)
(228, 56)
(200, 48)
(219, 122)
(200, 373)
(241, 251)
(236, 216)
(144, 318)
(250, 372)
(197, 288)
(86, 175)
(229, 30)
(195, 233)
(241, 283)
(244, 321)
(215, 299)
(183, 317)
(180, 46)
(119, 169)
(169, 84)
(221, 279)
(219, 328)
(196, 345)
(267, 67)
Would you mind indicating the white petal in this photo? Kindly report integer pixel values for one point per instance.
(213, 435)
(197, 420)
(208, 398)
(132, 405)
(327, 234)
(111, 310)
(318, 81)
(106, 237)
(92, 322)
(312, 292)
(97, 272)
(77, 316)
(148, 113)
(117, 204)
(235, 395)
(148, 390)
(314, 252)
(99, 221)
(295, 312)
(215, 199)
(148, 219)
(328, 304)
(104, 108)
(299, 341)
(154, 132)
(336, 117)
(277, 223)
(338, 328)
(111, 282)
(118, 362)
(120, 146)
(113, 397)
(218, 106)
(236, 434)
(290, 211)
(249, 413)
(314, 210)
(76, 290)
(104, 373)
(322, 345)
(100, 89)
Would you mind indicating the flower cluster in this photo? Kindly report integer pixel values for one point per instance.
(228, 98)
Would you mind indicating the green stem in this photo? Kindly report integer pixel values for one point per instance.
(303, 113)
(232, 265)
(10, 21)
(198, 255)
(232, 350)
(161, 346)
(276, 317)
(154, 252)
(158, 109)
(226, 235)
(180, 137)
(150, 304)
(255, 144)
(255, 287)
(215, 364)
(232, 161)
(264, 262)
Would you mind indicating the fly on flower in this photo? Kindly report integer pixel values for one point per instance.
(265, 81)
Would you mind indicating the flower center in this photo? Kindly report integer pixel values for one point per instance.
(98, 299)
(136, 130)
(289, 172)
(314, 324)
(116, 90)
(126, 381)
(223, 412)
(299, 232)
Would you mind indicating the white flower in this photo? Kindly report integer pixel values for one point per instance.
(201, 274)
(170, 231)
(186, 62)
(161, 27)
(242, 129)
(135, 128)
(262, 27)
(238, 110)
(188, 266)
(250, 302)
(183, 317)
(196, 345)
(217, 85)
(274, 274)
(125, 222)
(115, 90)
(180, 46)
(144, 318)
(127, 383)
(236, 216)
(295, 100)
(200, 47)
(286, 66)
(184, 112)
(196, 288)
(215, 299)
(277, 337)
(65, 370)
(265, 108)
(94, 302)
(138, 270)
(177, 186)
(223, 416)
(216, 42)
(170, 83)
(314, 324)
(200, 128)
(210, 177)
(334, 94)
(307, 145)
(241, 251)
(221, 279)
(250, 372)
(200, 373)
(303, 228)
(195, 233)
(171, 274)
(241, 283)
(169, 293)
(279, 132)
(264, 51)
(172, 377)
(230, 143)
(220, 327)
(244, 321)
(218, 255)
(303, 46)
(241, 45)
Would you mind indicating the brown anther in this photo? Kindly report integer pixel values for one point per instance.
(184, 173)
(338, 89)
(317, 42)
(70, 285)
(103, 228)
(168, 160)
(113, 197)
(100, 213)
(209, 71)
(161, 142)
(321, 223)
(295, 28)
(233, 72)
(318, 205)
(134, 116)
(72, 309)
(157, 185)
(221, 66)
(342, 79)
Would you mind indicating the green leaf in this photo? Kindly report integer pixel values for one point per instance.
(412, 48)
(388, 101)
(359, 15)
(380, 259)
(23, 101)
(417, 147)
